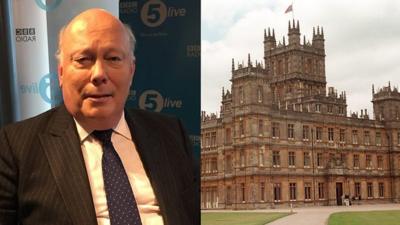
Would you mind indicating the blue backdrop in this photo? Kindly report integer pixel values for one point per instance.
(167, 77)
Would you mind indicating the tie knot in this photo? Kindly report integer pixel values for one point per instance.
(104, 136)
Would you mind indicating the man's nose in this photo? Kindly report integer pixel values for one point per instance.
(99, 73)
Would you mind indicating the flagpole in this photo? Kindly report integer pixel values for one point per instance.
(293, 9)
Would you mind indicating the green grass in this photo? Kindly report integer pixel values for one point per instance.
(365, 218)
(239, 218)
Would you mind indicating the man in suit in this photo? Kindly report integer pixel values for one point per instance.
(52, 168)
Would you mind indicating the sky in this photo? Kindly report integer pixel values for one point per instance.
(362, 42)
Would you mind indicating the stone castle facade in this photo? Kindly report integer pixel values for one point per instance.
(283, 138)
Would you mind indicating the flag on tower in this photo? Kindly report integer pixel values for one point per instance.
(289, 9)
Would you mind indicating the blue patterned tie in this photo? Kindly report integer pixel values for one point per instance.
(121, 202)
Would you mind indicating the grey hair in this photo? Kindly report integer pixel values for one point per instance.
(127, 29)
(131, 38)
(59, 51)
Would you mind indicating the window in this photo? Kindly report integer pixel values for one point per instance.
(277, 192)
(308, 66)
(321, 191)
(276, 160)
(286, 65)
(380, 161)
(307, 191)
(317, 107)
(398, 138)
(228, 136)
(306, 132)
(243, 192)
(378, 138)
(213, 139)
(228, 195)
(242, 158)
(330, 108)
(319, 159)
(280, 67)
(319, 133)
(306, 159)
(241, 95)
(341, 110)
(241, 128)
(262, 191)
(260, 94)
(275, 130)
(381, 190)
(332, 156)
(356, 161)
(292, 159)
(228, 164)
(343, 159)
(354, 137)
(289, 88)
(369, 190)
(292, 191)
(330, 134)
(398, 163)
(273, 68)
(207, 141)
(261, 156)
(214, 166)
(260, 127)
(366, 138)
(341, 135)
(357, 189)
(290, 131)
(368, 161)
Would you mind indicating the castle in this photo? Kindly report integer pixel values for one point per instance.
(282, 138)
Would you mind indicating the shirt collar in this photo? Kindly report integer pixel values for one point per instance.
(121, 129)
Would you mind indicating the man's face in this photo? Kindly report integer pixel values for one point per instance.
(96, 70)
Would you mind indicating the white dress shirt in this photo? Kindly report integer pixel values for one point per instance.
(92, 153)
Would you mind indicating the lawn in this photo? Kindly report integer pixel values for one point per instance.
(239, 218)
(365, 218)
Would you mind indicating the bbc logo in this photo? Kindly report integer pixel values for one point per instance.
(25, 31)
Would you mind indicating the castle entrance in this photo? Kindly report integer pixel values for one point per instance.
(339, 193)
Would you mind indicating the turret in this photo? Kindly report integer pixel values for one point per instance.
(318, 40)
(269, 39)
(269, 44)
(249, 64)
(294, 33)
(386, 102)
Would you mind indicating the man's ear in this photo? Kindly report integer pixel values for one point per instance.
(132, 69)
(60, 74)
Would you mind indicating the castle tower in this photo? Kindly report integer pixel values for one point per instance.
(386, 103)
(249, 87)
(297, 70)
(294, 33)
(318, 40)
(269, 39)
(269, 42)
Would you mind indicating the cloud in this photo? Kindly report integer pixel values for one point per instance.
(362, 41)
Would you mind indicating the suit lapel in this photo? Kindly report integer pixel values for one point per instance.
(155, 160)
(63, 151)
(152, 155)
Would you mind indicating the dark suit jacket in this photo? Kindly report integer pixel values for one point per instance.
(43, 177)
